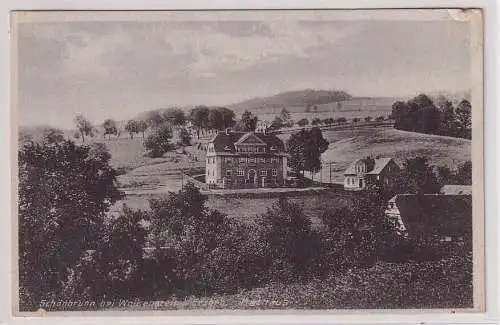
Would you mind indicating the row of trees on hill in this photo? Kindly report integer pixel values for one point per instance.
(421, 114)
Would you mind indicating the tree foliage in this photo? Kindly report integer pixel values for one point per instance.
(174, 116)
(84, 126)
(303, 122)
(52, 136)
(418, 177)
(132, 127)
(110, 127)
(158, 142)
(420, 114)
(461, 176)
(305, 148)
(248, 122)
(64, 191)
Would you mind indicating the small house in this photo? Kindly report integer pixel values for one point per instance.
(366, 172)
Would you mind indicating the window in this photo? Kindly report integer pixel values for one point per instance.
(242, 160)
(275, 172)
(262, 149)
(241, 172)
(262, 160)
(274, 160)
(228, 160)
(268, 160)
(263, 172)
(252, 160)
(229, 173)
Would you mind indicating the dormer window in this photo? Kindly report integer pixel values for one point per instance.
(273, 148)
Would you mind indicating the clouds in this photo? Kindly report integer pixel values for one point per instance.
(116, 69)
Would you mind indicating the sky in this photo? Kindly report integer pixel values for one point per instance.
(118, 68)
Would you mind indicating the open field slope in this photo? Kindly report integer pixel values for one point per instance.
(349, 145)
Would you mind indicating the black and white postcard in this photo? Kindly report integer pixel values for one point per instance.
(306, 160)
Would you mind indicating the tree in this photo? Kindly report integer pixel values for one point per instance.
(158, 143)
(328, 121)
(84, 126)
(464, 111)
(110, 127)
(368, 119)
(341, 120)
(199, 117)
(226, 118)
(52, 136)
(285, 115)
(418, 177)
(184, 137)
(303, 122)
(132, 127)
(175, 116)
(64, 192)
(247, 123)
(316, 121)
(276, 124)
(154, 118)
(379, 118)
(305, 148)
(356, 120)
(142, 126)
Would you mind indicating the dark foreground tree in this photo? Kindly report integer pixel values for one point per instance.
(64, 192)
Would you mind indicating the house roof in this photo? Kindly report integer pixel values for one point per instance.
(380, 164)
(444, 215)
(224, 142)
(456, 189)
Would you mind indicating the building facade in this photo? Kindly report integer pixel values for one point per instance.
(366, 172)
(245, 160)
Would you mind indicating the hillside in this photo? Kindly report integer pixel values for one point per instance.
(300, 98)
(347, 146)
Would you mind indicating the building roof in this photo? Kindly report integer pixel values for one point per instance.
(224, 142)
(456, 189)
(380, 164)
(443, 215)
